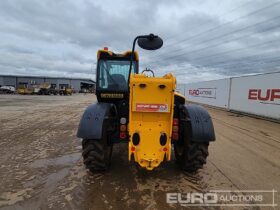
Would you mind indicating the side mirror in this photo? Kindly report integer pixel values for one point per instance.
(150, 42)
(147, 42)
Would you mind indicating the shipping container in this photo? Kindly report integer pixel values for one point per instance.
(214, 93)
(180, 88)
(256, 94)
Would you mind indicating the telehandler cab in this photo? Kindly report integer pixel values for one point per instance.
(144, 112)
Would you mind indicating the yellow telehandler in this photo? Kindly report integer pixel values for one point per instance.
(144, 112)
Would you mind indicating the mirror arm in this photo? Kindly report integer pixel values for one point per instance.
(132, 54)
(131, 57)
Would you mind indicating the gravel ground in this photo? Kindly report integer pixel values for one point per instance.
(41, 165)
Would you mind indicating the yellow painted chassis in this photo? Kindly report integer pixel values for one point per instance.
(151, 115)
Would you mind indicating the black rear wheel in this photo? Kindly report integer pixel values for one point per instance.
(96, 154)
(191, 156)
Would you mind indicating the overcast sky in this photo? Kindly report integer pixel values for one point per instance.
(203, 39)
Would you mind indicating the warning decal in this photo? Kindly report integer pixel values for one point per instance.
(151, 107)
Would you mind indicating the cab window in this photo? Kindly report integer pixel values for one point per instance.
(113, 74)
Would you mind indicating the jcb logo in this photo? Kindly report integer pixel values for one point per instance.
(264, 95)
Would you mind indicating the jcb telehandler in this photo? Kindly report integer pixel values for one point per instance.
(144, 112)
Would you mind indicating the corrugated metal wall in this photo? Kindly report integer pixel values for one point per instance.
(30, 80)
(1, 81)
(15, 80)
(11, 81)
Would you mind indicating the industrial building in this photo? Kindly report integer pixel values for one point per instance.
(77, 84)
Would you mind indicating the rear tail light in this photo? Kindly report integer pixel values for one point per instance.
(175, 129)
(175, 136)
(123, 128)
(122, 135)
(175, 121)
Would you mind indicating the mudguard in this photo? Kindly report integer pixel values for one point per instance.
(91, 124)
(202, 129)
